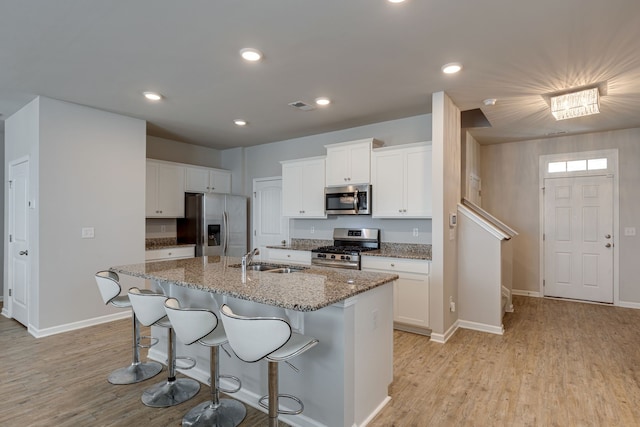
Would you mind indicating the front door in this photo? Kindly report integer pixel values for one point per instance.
(270, 228)
(578, 238)
(19, 265)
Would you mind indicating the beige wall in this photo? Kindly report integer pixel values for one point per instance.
(181, 152)
(510, 190)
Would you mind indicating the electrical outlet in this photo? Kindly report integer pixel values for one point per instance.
(163, 228)
(313, 229)
(629, 231)
(415, 232)
(88, 233)
(452, 305)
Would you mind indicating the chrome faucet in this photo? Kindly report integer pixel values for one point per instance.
(247, 259)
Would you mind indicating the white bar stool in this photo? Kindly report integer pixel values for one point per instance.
(194, 324)
(109, 286)
(271, 338)
(149, 307)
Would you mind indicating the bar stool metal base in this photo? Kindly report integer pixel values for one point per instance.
(170, 393)
(135, 373)
(229, 413)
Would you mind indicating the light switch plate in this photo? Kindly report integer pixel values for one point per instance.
(88, 233)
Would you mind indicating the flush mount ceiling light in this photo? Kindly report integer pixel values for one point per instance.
(323, 101)
(395, 1)
(489, 102)
(575, 104)
(451, 68)
(152, 96)
(250, 54)
(240, 122)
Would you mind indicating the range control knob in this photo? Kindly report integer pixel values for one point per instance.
(333, 257)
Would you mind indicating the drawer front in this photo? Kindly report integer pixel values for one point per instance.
(405, 265)
(290, 256)
(169, 253)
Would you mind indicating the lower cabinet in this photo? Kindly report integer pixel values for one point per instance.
(169, 253)
(289, 256)
(410, 291)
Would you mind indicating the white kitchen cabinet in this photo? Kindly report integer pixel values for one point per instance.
(401, 181)
(349, 163)
(289, 256)
(410, 291)
(164, 190)
(169, 253)
(207, 180)
(303, 188)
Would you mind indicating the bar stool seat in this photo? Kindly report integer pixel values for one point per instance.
(149, 307)
(270, 338)
(110, 289)
(199, 325)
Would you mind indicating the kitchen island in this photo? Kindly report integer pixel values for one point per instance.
(344, 380)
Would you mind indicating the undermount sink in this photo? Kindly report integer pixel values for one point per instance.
(270, 268)
(286, 270)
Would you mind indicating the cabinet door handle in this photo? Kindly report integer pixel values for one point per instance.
(23, 252)
(393, 265)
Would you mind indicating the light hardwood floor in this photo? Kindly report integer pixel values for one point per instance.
(559, 363)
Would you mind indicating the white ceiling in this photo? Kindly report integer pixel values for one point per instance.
(376, 60)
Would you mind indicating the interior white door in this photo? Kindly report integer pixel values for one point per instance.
(578, 238)
(19, 264)
(270, 227)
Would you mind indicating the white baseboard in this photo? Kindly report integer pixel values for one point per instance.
(482, 327)
(524, 293)
(628, 304)
(40, 333)
(443, 338)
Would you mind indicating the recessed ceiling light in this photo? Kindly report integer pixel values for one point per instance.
(250, 54)
(322, 101)
(240, 122)
(451, 68)
(152, 96)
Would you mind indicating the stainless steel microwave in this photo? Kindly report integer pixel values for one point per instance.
(348, 200)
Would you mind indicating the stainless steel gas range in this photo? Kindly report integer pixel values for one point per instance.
(348, 243)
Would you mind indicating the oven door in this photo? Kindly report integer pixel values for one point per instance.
(349, 200)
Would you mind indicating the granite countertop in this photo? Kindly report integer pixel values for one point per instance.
(391, 250)
(309, 290)
(164, 243)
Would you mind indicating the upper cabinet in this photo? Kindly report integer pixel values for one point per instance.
(303, 188)
(349, 163)
(164, 190)
(401, 180)
(207, 180)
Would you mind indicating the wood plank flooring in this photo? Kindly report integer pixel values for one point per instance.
(559, 363)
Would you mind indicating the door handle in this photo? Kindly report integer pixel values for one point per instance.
(608, 245)
(23, 253)
(607, 236)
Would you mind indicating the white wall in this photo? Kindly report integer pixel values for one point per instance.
(2, 168)
(446, 195)
(510, 191)
(88, 171)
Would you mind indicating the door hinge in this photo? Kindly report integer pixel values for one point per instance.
(544, 283)
(10, 291)
(254, 233)
(10, 238)
(544, 236)
(255, 194)
(10, 184)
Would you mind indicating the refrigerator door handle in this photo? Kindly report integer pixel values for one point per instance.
(225, 222)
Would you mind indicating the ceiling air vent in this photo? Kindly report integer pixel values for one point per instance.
(302, 106)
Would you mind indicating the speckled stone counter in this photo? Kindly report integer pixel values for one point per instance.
(402, 250)
(303, 244)
(309, 290)
(163, 243)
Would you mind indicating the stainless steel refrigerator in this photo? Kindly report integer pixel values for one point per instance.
(215, 223)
